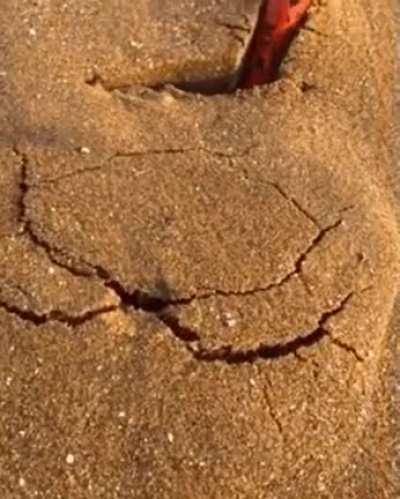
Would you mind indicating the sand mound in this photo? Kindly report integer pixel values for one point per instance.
(196, 290)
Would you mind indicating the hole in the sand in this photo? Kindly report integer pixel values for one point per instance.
(212, 86)
(278, 23)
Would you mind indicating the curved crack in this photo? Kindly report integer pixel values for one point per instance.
(229, 355)
(26, 224)
(347, 347)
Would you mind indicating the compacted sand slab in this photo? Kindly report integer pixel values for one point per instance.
(197, 293)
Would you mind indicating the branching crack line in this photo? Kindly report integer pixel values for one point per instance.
(164, 308)
(229, 355)
(139, 299)
(149, 152)
(131, 297)
(162, 304)
(297, 270)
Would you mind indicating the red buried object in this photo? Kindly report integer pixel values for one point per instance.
(278, 23)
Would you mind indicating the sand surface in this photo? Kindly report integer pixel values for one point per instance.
(197, 292)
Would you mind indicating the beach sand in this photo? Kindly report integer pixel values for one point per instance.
(198, 292)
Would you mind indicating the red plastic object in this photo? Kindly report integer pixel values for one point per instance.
(278, 23)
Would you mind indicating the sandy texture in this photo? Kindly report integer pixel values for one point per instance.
(197, 293)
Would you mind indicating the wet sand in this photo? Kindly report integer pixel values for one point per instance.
(198, 292)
